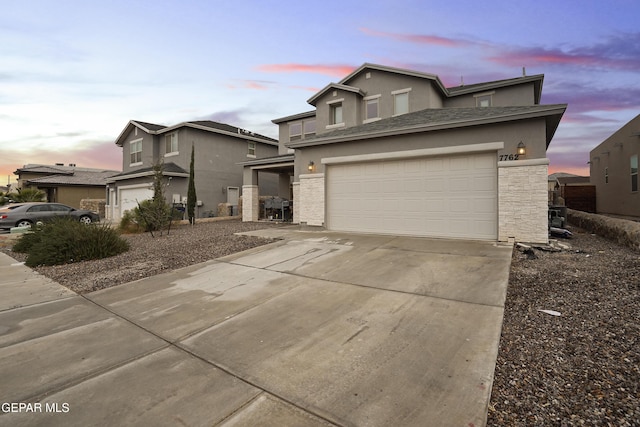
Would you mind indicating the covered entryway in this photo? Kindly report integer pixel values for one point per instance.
(453, 196)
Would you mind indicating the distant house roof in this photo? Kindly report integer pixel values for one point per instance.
(168, 169)
(78, 177)
(432, 119)
(206, 125)
(573, 180)
(60, 174)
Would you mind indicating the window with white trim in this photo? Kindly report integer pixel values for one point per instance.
(371, 108)
(336, 113)
(484, 100)
(135, 150)
(400, 101)
(634, 172)
(295, 131)
(309, 127)
(251, 149)
(171, 143)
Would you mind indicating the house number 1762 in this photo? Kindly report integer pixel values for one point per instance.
(503, 157)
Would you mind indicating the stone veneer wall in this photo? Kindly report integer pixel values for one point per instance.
(311, 200)
(94, 205)
(250, 203)
(522, 201)
(296, 202)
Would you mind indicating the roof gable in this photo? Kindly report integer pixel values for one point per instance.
(334, 86)
(368, 67)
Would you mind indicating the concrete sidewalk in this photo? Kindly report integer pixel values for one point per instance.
(317, 329)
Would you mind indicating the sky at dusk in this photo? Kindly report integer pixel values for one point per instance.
(73, 73)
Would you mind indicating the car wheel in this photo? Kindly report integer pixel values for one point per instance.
(85, 219)
(23, 223)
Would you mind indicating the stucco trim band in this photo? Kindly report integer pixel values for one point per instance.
(408, 154)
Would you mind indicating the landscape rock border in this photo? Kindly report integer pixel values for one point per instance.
(621, 231)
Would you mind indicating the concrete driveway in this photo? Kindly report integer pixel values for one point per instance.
(317, 329)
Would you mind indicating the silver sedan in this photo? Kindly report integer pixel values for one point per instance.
(26, 214)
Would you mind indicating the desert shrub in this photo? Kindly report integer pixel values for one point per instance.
(65, 240)
(152, 215)
(28, 240)
(128, 223)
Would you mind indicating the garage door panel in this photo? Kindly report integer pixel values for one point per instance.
(452, 196)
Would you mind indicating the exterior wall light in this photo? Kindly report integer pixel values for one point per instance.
(311, 166)
(522, 149)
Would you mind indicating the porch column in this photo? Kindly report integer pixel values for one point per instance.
(250, 196)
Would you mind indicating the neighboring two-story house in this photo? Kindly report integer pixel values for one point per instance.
(394, 151)
(614, 171)
(218, 150)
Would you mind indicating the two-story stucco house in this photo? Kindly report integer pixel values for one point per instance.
(394, 151)
(218, 150)
(614, 171)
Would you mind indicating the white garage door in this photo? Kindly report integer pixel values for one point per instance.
(130, 197)
(453, 196)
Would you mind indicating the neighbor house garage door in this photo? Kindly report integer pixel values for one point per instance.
(452, 196)
(130, 197)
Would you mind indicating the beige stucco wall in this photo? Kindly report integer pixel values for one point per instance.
(522, 201)
(614, 154)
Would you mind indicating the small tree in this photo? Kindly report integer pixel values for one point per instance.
(27, 195)
(191, 192)
(155, 214)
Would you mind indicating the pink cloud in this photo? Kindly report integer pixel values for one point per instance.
(419, 38)
(307, 88)
(615, 52)
(255, 85)
(329, 70)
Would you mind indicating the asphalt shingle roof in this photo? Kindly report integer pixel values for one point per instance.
(78, 177)
(167, 168)
(434, 117)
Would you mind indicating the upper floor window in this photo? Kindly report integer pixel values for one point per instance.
(336, 113)
(295, 131)
(135, 149)
(400, 101)
(371, 108)
(484, 99)
(251, 149)
(309, 127)
(171, 143)
(634, 172)
(606, 175)
(303, 129)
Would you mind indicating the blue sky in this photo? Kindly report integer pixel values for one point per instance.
(73, 73)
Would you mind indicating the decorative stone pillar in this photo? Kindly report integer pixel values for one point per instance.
(250, 203)
(523, 201)
(311, 206)
(296, 203)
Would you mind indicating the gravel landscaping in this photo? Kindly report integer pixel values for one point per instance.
(583, 366)
(185, 245)
(576, 364)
